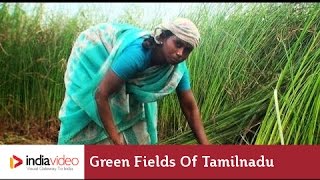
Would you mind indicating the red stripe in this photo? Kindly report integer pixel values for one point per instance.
(290, 162)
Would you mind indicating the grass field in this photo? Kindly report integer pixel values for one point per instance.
(247, 52)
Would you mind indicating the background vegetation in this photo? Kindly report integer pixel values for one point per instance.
(247, 53)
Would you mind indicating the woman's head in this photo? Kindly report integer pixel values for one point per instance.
(176, 39)
(183, 28)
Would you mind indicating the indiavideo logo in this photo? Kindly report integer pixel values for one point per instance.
(13, 164)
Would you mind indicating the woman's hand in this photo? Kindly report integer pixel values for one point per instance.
(120, 140)
(190, 109)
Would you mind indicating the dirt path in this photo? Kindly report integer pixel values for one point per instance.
(29, 133)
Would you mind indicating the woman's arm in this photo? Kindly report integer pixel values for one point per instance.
(190, 109)
(110, 84)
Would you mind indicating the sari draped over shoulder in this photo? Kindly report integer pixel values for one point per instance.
(135, 104)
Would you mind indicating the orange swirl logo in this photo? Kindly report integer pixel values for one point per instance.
(13, 164)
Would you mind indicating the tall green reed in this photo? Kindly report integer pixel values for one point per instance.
(246, 54)
(299, 84)
(33, 61)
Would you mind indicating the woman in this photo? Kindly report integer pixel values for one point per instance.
(114, 77)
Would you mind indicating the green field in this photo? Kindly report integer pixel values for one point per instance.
(247, 52)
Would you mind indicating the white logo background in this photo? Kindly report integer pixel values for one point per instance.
(41, 171)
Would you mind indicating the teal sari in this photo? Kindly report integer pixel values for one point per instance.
(135, 104)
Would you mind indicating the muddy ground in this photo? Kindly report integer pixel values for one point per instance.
(31, 132)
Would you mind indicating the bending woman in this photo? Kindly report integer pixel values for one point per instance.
(115, 75)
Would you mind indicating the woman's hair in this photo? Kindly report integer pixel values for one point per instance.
(149, 42)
